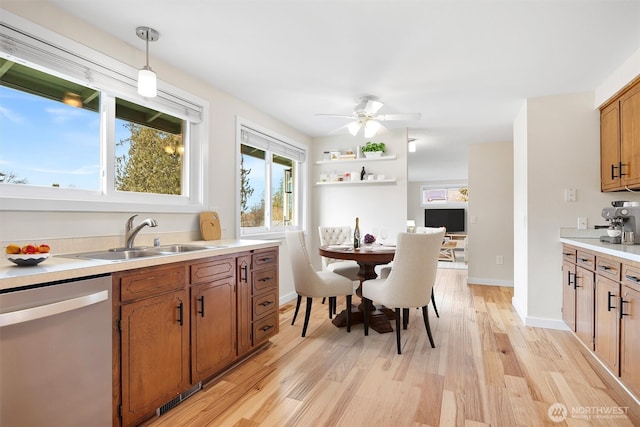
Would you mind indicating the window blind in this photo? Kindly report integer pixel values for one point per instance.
(103, 73)
(268, 143)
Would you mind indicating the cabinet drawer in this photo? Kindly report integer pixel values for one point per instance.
(151, 281)
(265, 259)
(569, 254)
(608, 268)
(213, 269)
(265, 280)
(631, 276)
(265, 328)
(585, 259)
(264, 304)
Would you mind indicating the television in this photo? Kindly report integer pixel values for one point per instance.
(451, 218)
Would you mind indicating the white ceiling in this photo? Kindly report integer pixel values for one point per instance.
(466, 66)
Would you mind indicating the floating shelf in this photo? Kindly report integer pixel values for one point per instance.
(361, 159)
(365, 182)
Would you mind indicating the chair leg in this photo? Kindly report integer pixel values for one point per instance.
(398, 329)
(405, 318)
(307, 314)
(433, 301)
(365, 304)
(332, 300)
(348, 313)
(295, 313)
(425, 314)
(323, 299)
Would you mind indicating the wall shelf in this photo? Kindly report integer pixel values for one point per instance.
(365, 182)
(361, 159)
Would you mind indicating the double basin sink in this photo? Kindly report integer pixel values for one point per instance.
(123, 254)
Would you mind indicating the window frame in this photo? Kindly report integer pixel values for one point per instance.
(299, 179)
(25, 42)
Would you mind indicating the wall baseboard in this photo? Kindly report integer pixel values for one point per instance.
(288, 298)
(489, 282)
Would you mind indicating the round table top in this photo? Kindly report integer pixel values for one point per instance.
(366, 254)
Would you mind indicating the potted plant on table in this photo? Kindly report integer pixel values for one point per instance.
(373, 149)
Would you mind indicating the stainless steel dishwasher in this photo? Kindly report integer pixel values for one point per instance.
(55, 354)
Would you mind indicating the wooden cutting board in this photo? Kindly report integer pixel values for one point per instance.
(210, 226)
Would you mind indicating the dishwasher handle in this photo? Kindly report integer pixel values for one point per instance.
(47, 310)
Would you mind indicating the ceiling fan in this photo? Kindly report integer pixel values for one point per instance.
(365, 116)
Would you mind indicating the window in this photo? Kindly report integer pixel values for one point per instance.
(270, 171)
(75, 129)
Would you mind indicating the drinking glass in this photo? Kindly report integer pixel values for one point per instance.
(383, 235)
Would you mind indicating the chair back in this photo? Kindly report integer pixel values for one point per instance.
(415, 265)
(305, 277)
(428, 230)
(333, 236)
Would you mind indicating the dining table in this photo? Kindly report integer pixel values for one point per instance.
(367, 257)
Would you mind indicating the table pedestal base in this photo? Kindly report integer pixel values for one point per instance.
(379, 318)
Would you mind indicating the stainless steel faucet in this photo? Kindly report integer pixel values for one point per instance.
(130, 234)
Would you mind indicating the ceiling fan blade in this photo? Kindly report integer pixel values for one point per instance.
(408, 116)
(372, 106)
(342, 116)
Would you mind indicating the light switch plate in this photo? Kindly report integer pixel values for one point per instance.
(582, 223)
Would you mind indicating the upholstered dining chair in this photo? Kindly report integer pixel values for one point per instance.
(385, 269)
(314, 284)
(409, 283)
(338, 236)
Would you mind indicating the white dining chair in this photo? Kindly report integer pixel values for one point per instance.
(338, 236)
(384, 270)
(314, 284)
(409, 283)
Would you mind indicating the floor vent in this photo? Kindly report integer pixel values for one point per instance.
(179, 398)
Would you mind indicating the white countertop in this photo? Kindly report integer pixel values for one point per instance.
(57, 267)
(630, 252)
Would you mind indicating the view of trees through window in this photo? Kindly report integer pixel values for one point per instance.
(51, 137)
(258, 168)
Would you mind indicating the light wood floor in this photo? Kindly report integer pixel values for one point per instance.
(487, 370)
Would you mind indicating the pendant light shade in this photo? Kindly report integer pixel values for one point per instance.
(412, 145)
(147, 83)
(370, 128)
(353, 128)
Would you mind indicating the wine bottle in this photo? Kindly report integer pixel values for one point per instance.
(356, 234)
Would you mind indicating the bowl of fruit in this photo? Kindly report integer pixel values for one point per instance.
(369, 239)
(27, 255)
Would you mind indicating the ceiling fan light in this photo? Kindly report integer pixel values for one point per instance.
(147, 85)
(412, 145)
(370, 128)
(353, 128)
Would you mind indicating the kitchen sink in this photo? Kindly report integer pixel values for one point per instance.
(174, 249)
(123, 254)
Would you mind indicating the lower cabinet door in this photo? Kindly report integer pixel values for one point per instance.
(585, 284)
(155, 353)
(607, 323)
(569, 295)
(630, 339)
(213, 327)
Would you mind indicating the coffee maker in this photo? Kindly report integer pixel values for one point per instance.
(623, 218)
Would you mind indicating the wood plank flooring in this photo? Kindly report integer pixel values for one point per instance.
(487, 370)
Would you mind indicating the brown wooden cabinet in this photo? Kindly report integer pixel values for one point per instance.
(213, 316)
(585, 289)
(620, 141)
(244, 291)
(568, 286)
(607, 333)
(264, 295)
(154, 324)
(630, 328)
(177, 325)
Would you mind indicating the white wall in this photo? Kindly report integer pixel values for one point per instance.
(562, 150)
(378, 206)
(491, 205)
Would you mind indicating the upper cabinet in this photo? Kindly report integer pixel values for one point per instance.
(620, 141)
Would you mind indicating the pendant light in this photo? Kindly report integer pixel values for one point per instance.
(147, 84)
(412, 145)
